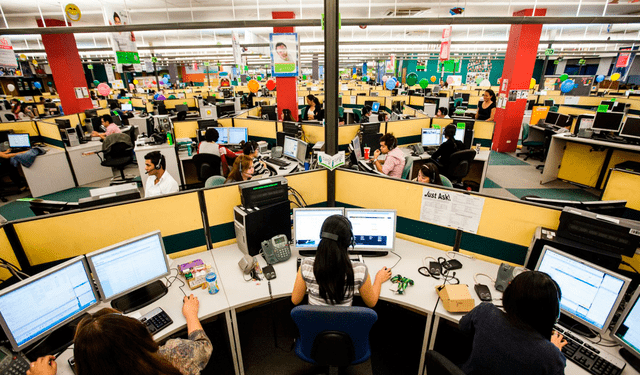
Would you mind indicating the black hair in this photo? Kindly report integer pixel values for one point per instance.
(280, 44)
(382, 116)
(450, 131)
(286, 115)
(366, 110)
(107, 118)
(156, 157)
(532, 300)
(431, 170)
(332, 268)
(249, 147)
(389, 140)
(116, 15)
(113, 105)
(211, 135)
(443, 110)
(315, 101)
(491, 94)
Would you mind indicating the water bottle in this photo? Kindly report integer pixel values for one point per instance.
(212, 280)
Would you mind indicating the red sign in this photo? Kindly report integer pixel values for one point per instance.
(446, 33)
(623, 60)
(444, 50)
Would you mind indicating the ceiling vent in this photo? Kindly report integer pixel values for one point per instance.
(407, 12)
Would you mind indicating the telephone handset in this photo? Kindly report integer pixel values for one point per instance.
(276, 249)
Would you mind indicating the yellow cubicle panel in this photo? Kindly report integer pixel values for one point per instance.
(346, 133)
(592, 101)
(40, 108)
(416, 100)
(313, 133)
(557, 98)
(172, 103)
(473, 100)
(356, 92)
(581, 164)
(566, 110)
(49, 130)
(407, 128)
(618, 188)
(442, 122)
(312, 185)
(225, 122)
(620, 156)
(255, 111)
(220, 202)
(7, 254)
(257, 128)
(185, 129)
(103, 103)
(176, 216)
(21, 127)
(103, 111)
(483, 129)
(137, 103)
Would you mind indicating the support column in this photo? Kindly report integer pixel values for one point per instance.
(519, 61)
(315, 75)
(66, 68)
(286, 86)
(331, 59)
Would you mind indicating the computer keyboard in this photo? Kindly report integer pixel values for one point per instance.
(278, 162)
(156, 320)
(588, 357)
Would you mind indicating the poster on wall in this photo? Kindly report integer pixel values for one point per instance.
(8, 62)
(284, 54)
(123, 43)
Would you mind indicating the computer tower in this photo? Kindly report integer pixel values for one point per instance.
(252, 226)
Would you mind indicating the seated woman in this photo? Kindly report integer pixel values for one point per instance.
(314, 111)
(108, 342)
(428, 174)
(286, 115)
(331, 277)
(209, 146)
(251, 149)
(366, 112)
(520, 341)
(443, 112)
(443, 154)
(242, 169)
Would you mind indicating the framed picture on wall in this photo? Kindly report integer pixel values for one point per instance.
(284, 54)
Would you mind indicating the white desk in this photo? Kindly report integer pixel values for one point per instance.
(49, 173)
(88, 168)
(169, 153)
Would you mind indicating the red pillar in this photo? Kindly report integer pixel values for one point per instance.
(519, 61)
(66, 67)
(286, 86)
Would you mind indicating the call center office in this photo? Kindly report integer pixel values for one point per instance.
(509, 246)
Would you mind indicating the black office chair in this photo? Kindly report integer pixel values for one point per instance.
(459, 165)
(182, 115)
(534, 148)
(10, 117)
(118, 153)
(437, 364)
(207, 165)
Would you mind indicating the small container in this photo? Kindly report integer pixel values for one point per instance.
(189, 152)
(212, 280)
(306, 165)
(477, 148)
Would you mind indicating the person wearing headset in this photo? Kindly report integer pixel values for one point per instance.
(159, 181)
(250, 149)
(394, 161)
(443, 154)
(366, 113)
(242, 169)
(428, 174)
(330, 277)
(520, 340)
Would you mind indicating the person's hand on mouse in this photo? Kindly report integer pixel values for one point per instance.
(384, 274)
(190, 306)
(558, 340)
(43, 366)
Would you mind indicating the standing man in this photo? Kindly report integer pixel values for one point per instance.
(159, 181)
(394, 161)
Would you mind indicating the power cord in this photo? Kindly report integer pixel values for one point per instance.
(485, 275)
(453, 254)
(169, 282)
(398, 261)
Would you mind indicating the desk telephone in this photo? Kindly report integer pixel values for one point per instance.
(417, 149)
(276, 249)
(12, 363)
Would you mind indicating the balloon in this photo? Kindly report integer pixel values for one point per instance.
(424, 83)
(167, 76)
(397, 84)
(11, 87)
(354, 76)
(38, 85)
(499, 80)
(567, 86)
(615, 76)
(104, 89)
(384, 78)
(599, 78)
(564, 77)
(165, 80)
(390, 84)
(412, 79)
(154, 82)
(271, 85)
(365, 79)
(135, 81)
(253, 86)
(433, 79)
(533, 83)
(172, 96)
(131, 86)
(485, 83)
(259, 78)
(96, 82)
(304, 77)
(450, 80)
(478, 80)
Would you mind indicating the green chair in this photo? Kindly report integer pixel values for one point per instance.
(457, 102)
(341, 112)
(445, 181)
(214, 181)
(408, 165)
(534, 148)
(553, 108)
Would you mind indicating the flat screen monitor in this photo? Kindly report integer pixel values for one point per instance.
(269, 111)
(205, 124)
(370, 128)
(291, 128)
(552, 118)
(307, 223)
(126, 107)
(63, 123)
(435, 89)
(562, 120)
(301, 151)
(375, 107)
(619, 107)
(126, 266)
(180, 108)
(357, 149)
(631, 128)
(232, 136)
(459, 136)
(590, 293)
(607, 121)
(548, 103)
(374, 231)
(431, 137)
(90, 113)
(627, 330)
(290, 147)
(608, 103)
(530, 104)
(226, 109)
(33, 308)
(612, 208)
(19, 140)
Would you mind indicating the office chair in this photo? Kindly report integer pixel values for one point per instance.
(437, 364)
(534, 148)
(182, 115)
(118, 153)
(357, 114)
(333, 336)
(214, 181)
(207, 165)
(10, 117)
(445, 181)
(408, 165)
(459, 165)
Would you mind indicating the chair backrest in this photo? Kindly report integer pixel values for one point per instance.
(525, 131)
(358, 114)
(408, 165)
(118, 150)
(214, 181)
(10, 117)
(324, 331)
(457, 102)
(459, 164)
(445, 181)
(437, 364)
(207, 165)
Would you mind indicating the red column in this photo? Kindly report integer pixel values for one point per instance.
(519, 61)
(66, 67)
(286, 86)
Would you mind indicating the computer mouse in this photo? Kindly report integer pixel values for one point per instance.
(483, 292)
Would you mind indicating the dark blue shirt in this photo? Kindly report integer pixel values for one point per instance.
(499, 348)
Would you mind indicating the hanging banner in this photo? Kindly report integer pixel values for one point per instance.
(623, 60)
(284, 54)
(109, 69)
(445, 45)
(237, 51)
(123, 43)
(7, 56)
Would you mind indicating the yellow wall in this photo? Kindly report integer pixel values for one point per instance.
(21, 127)
(185, 129)
(49, 129)
(407, 128)
(257, 128)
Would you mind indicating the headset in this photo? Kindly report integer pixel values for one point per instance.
(159, 165)
(335, 237)
(431, 175)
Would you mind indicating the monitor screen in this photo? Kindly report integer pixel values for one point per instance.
(548, 103)
(562, 120)
(607, 121)
(627, 331)
(307, 223)
(375, 107)
(237, 135)
(608, 103)
(431, 137)
(590, 293)
(631, 128)
(19, 140)
(126, 107)
(459, 136)
(552, 118)
(33, 308)
(205, 124)
(128, 265)
(301, 152)
(356, 147)
(372, 229)
(290, 147)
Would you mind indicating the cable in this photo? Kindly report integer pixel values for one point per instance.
(169, 283)
(452, 255)
(38, 344)
(398, 261)
(482, 274)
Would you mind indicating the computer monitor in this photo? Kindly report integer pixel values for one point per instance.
(608, 103)
(530, 104)
(375, 107)
(205, 124)
(620, 107)
(590, 293)
(431, 137)
(627, 332)
(435, 89)
(290, 147)
(125, 270)
(231, 136)
(552, 118)
(631, 128)
(225, 109)
(357, 149)
(460, 130)
(19, 140)
(211, 100)
(291, 128)
(63, 123)
(611, 208)
(370, 128)
(562, 120)
(301, 151)
(35, 307)
(374, 230)
(126, 106)
(90, 113)
(307, 223)
(269, 112)
(548, 103)
(607, 121)
(180, 108)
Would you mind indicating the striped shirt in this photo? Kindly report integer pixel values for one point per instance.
(360, 274)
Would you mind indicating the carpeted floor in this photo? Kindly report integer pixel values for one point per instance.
(19, 210)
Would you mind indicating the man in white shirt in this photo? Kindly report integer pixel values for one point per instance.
(159, 181)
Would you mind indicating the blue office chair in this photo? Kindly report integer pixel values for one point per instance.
(334, 336)
(534, 148)
(445, 181)
(408, 165)
(437, 364)
(214, 181)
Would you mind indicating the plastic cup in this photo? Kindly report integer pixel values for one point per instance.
(212, 279)
(367, 150)
(306, 166)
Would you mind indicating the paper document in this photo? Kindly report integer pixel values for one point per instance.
(450, 209)
(331, 162)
